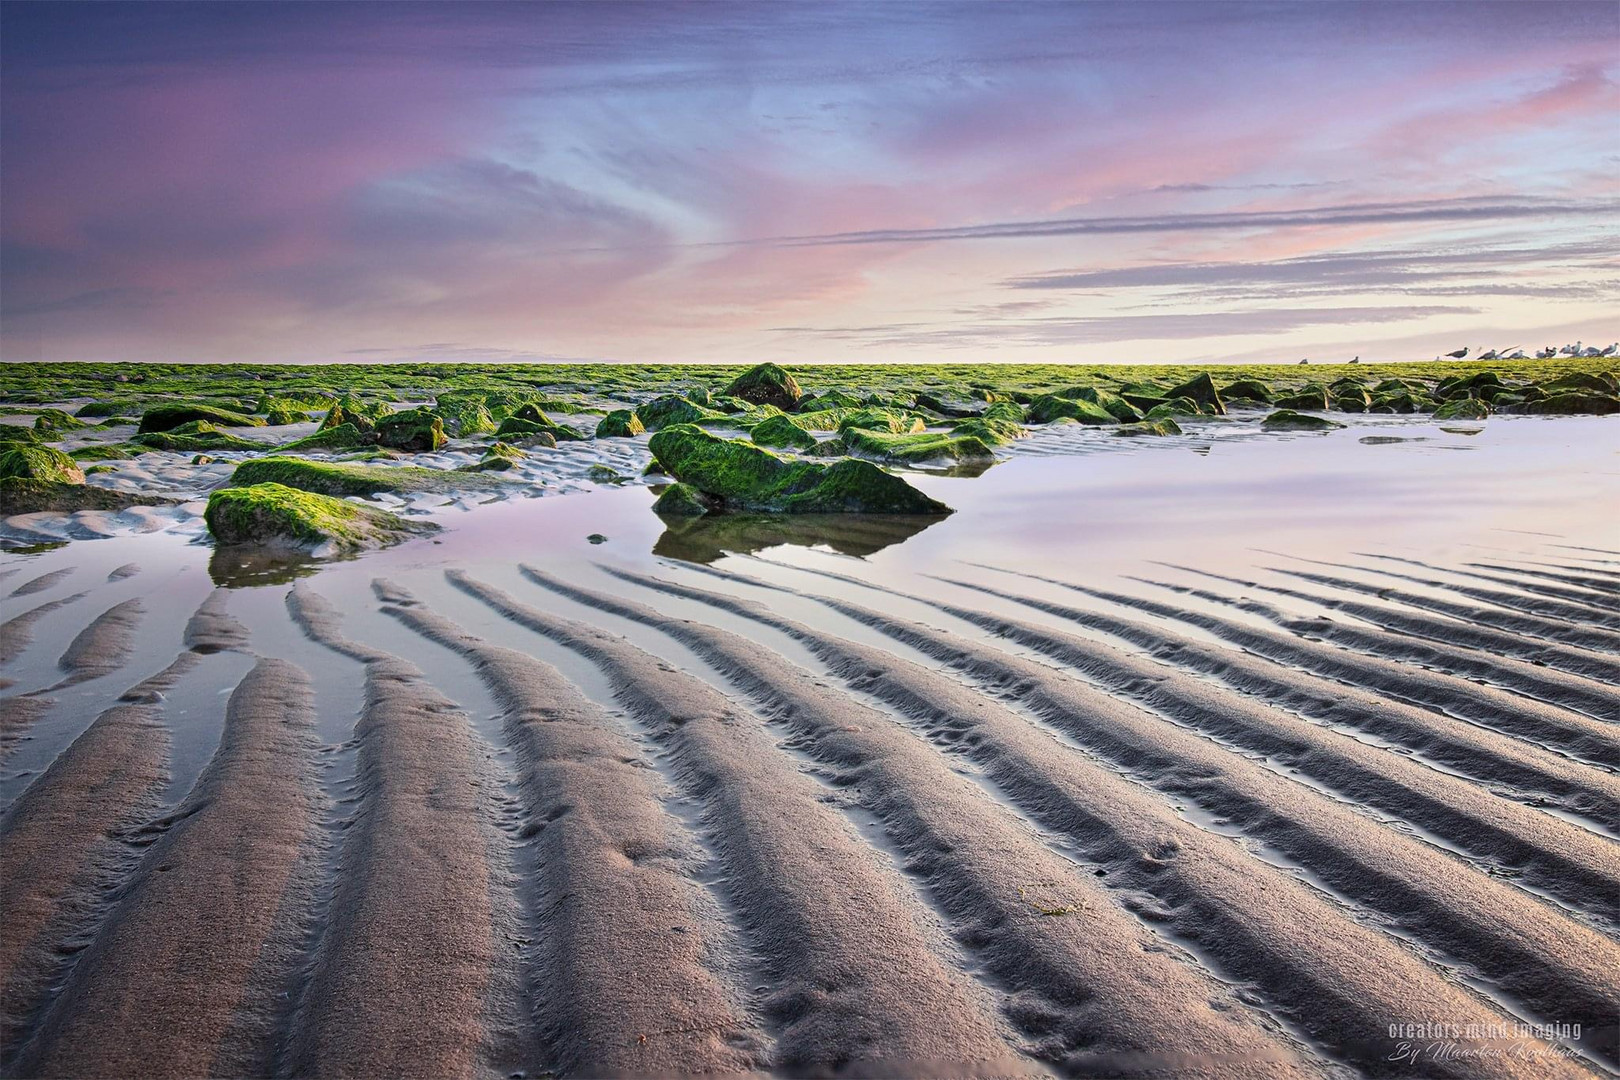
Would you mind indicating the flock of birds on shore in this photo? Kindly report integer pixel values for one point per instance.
(1514, 352)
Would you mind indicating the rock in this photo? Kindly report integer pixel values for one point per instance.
(100, 452)
(916, 447)
(879, 419)
(1200, 388)
(202, 459)
(1162, 426)
(169, 417)
(604, 474)
(193, 436)
(1313, 398)
(55, 420)
(22, 496)
(334, 478)
(1580, 381)
(416, 430)
(1174, 407)
(673, 409)
(1398, 402)
(1288, 420)
(596, 538)
(1110, 402)
(680, 500)
(619, 424)
(1353, 400)
(280, 417)
(41, 464)
(835, 399)
(781, 432)
(1049, 407)
(464, 414)
(275, 515)
(362, 414)
(542, 439)
(499, 457)
(1463, 408)
(741, 476)
(1577, 404)
(766, 384)
(16, 433)
(345, 436)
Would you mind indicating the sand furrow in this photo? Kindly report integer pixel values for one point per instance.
(1543, 607)
(853, 976)
(627, 981)
(18, 713)
(1514, 622)
(1254, 924)
(1451, 631)
(184, 978)
(1379, 707)
(102, 647)
(63, 841)
(1539, 682)
(1551, 964)
(18, 631)
(1594, 604)
(408, 956)
(119, 573)
(1562, 859)
(212, 629)
(42, 582)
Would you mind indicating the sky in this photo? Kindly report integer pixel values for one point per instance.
(959, 183)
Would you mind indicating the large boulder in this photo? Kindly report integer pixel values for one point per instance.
(741, 476)
(918, 446)
(1050, 407)
(278, 516)
(169, 417)
(1201, 388)
(673, 409)
(1110, 402)
(766, 384)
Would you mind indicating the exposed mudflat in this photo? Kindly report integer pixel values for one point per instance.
(1222, 755)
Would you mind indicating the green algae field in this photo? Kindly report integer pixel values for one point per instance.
(885, 720)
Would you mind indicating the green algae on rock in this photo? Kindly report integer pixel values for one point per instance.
(43, 464)
(1311, 397)
(1200, 388)
(781, 432)
(1050, 407)
(1288, 420)
(336, 478)
(271, 514)
(619, 424)
(916, 447)
(680, 500)
(416, 430)
(1571, 404)
(1463, 408)
(345, 436)
(193, 436)
(766, 384)
(1164, 425)
(670, 409)
(741, 476)
(169, 417)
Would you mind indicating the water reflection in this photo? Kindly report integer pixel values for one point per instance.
(705, 539)
(243, 566)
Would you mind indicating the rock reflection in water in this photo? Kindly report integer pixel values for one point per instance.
(705, 539)
(239, 566)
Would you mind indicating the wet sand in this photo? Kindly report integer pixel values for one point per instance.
(1217, 757)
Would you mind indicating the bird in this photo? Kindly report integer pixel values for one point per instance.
(1571, 350)
(1547, 353)
(1611, 350)
(1459, 354)
(1592, 350)
(1303, 362)
(1488, 355)
(1516, 354)
(1355, 359)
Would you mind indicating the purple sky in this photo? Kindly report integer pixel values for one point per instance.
(797, 182)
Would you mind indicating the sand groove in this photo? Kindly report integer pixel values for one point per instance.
(853, 976)
(1547, 962)
(1257, 924)
(627, 982)
(102, 647)
(408, 956)
(1377, 706)
(1538, 682)
(1581, 599)
(182, 979)
(17, 631)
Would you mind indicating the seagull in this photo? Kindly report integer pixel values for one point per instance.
(1356, 360)
(1571, 350)
(1546, 354)
(1488, 355)
(1516, 354)
(1459, 354)
(1611, 350)
(1592, 350)
(1302, 362)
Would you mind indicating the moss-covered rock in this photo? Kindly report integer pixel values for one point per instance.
(498, 457)
(338, 478)
(332, 440)
(782, 433)
(1353, 399)
(100, 409)
(766, 384)
(1572, 404)
(619, 424)
(1107, 400)
(1288, 420)
(681, 501)
(742, 476)
(16, 433)
(541, 439)
(1310, 398)
(417, 431)
(23, 461)
(604, 474)
(54, 421)
(1463, 408)
(1050, 407)
(465, 414)
(1580, 382)
(999, 425)
(673, 409)
(282, 417)
(23, 496)
(1396, 402)
(169, 417)
(1171, 408)
(358, 412)
(832, 399)
(193, 436)
(914, 448)
(1164, 425)
(1200, 388)
(274, 515)
(100, 452)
